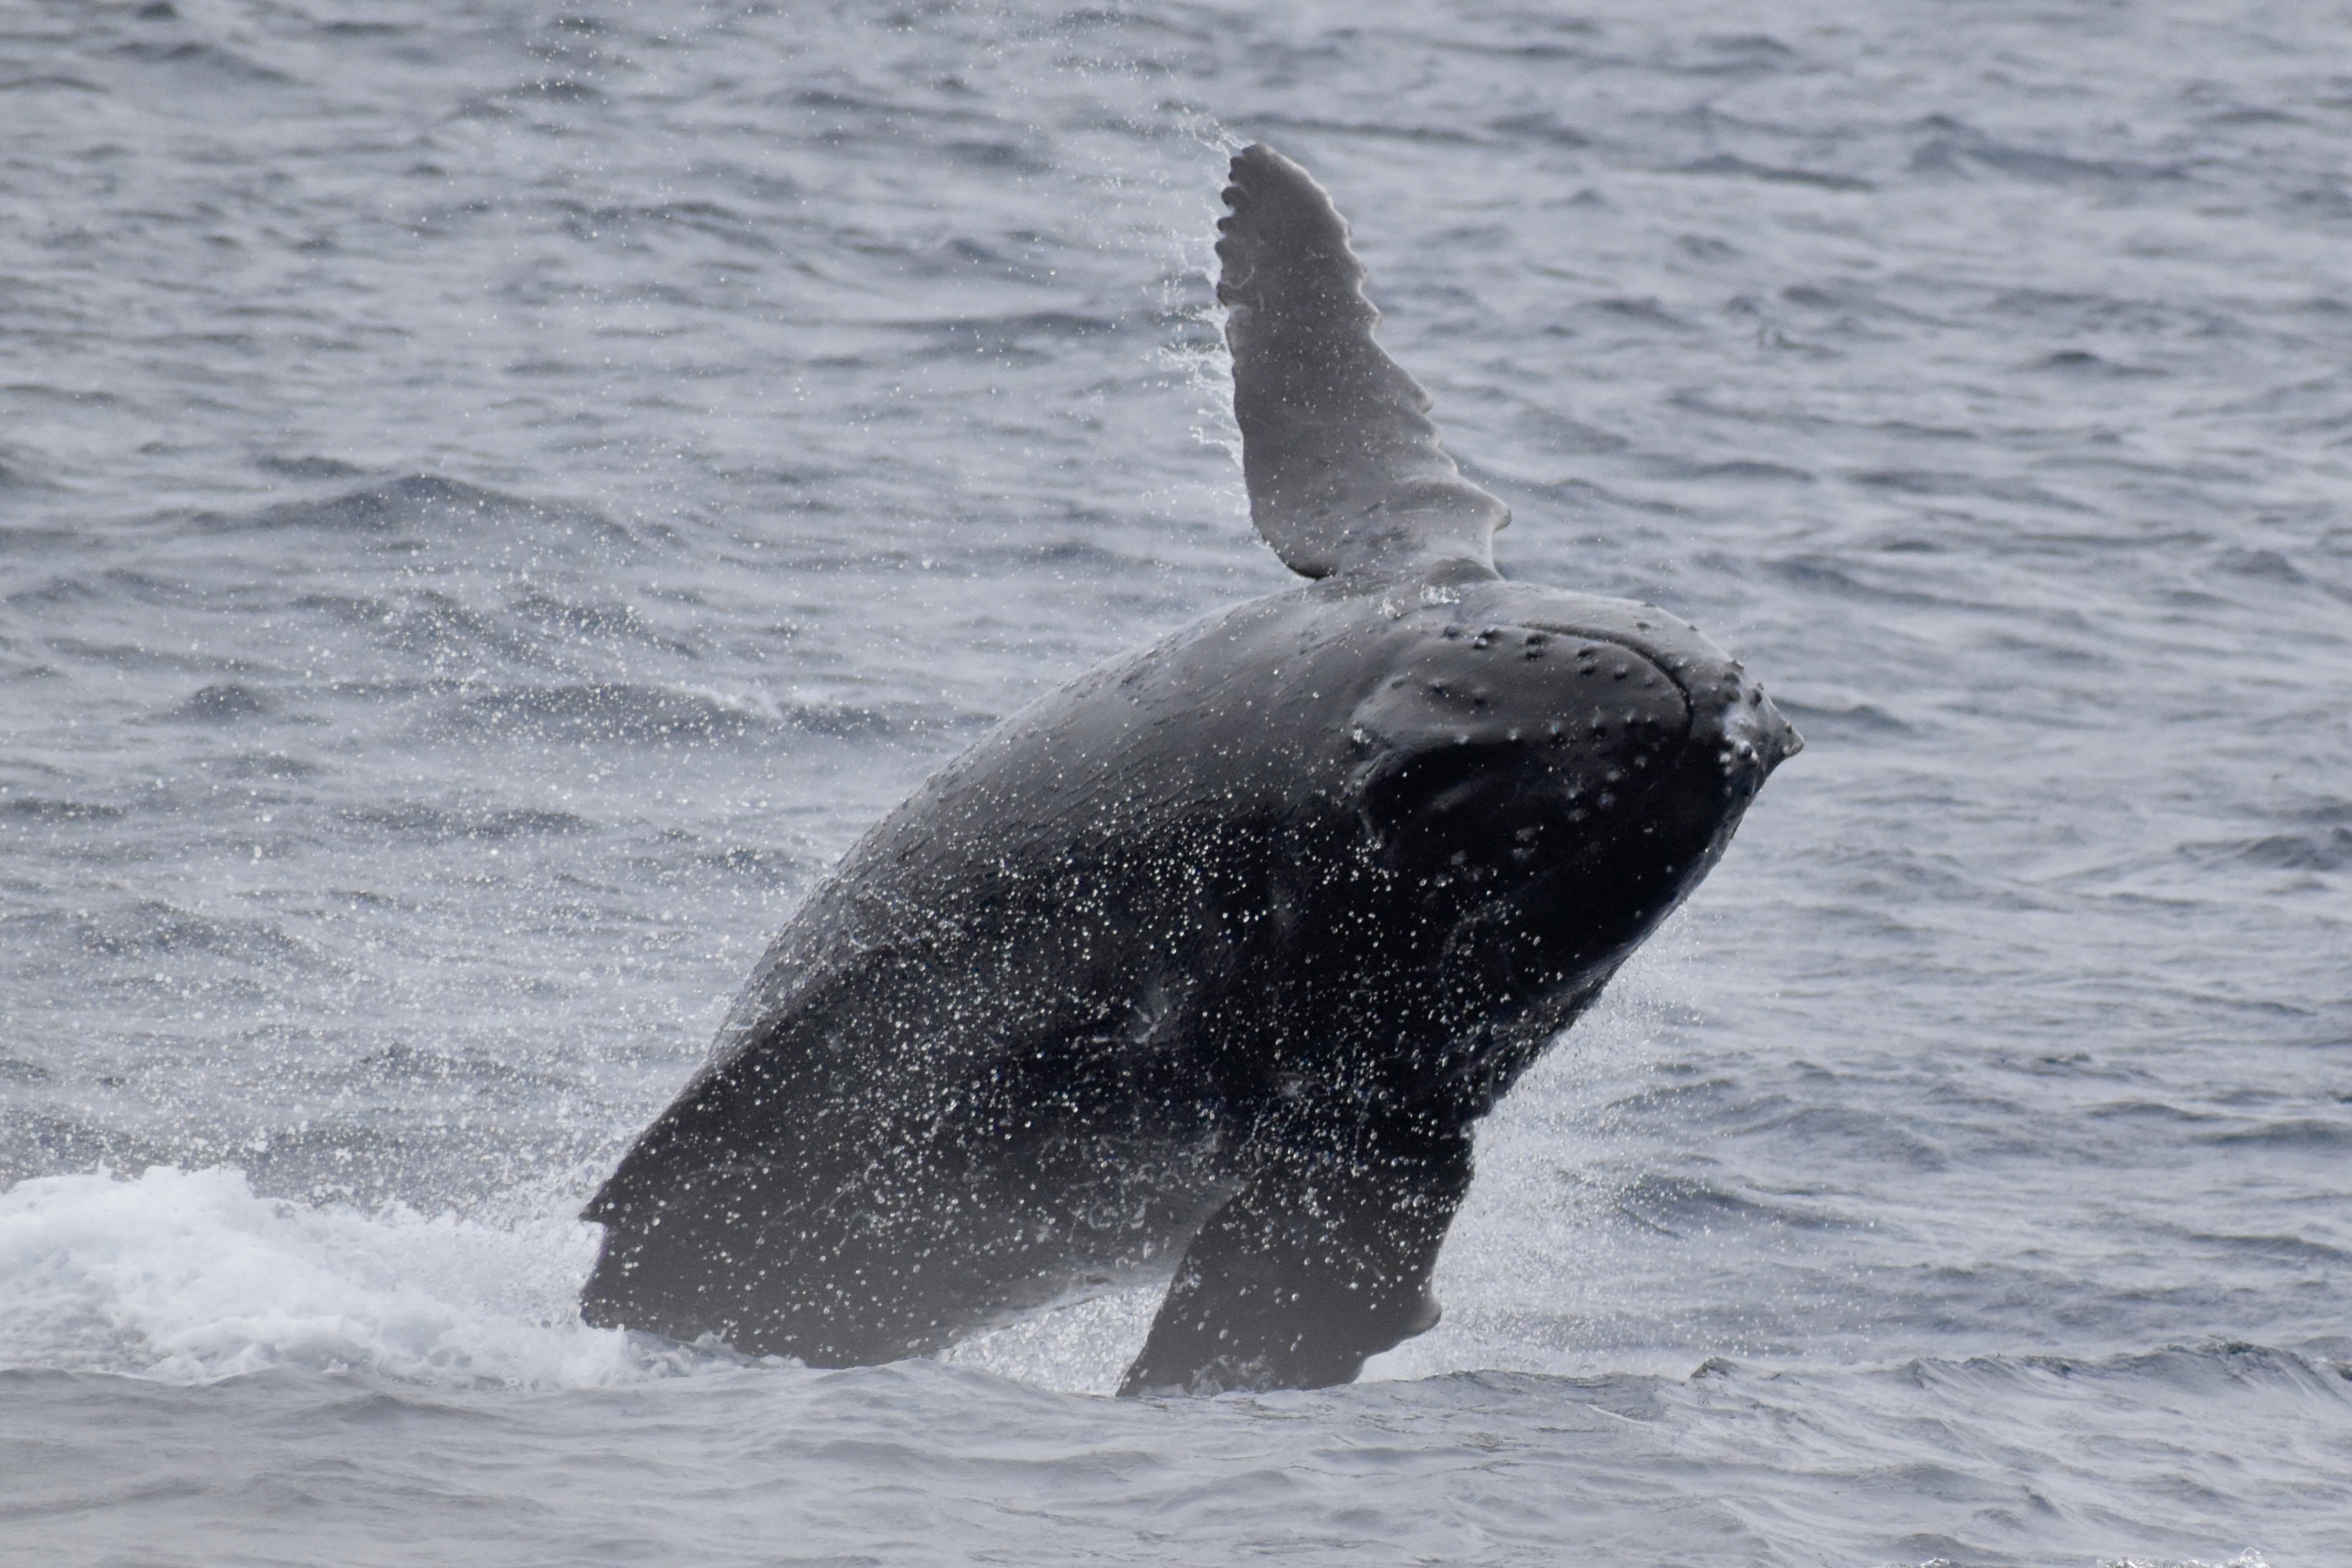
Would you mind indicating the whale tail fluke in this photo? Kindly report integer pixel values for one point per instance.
(1344, 468)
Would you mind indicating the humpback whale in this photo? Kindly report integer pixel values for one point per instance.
(1205, 966)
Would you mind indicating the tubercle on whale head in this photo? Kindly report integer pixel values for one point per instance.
(1493, 749)
(1551, 789)
(1460, 600)
(1729, 711)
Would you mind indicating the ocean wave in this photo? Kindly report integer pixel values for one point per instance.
(1741, 168)
(427, 623)
(2295, 1135)
(608, 712)
(992, 336)
(1856, 719)
(2083, 362)
(1932, 484)
(603, 712)
(1633, 312)
(268, 765)
(1540, 126)
(1377, 130)
(418, 502)
(57, 590)
(417, 821)
(49, 81)
(195, 57)
(188, 1276)
(2211, 1367)
(223, 702)
(150, 928)
(1740, 471)
(50, 808)
(2326, 849)
(609, 622)
(1834, 576)
(1675, 1206)
(711, 218)
(1960, 151)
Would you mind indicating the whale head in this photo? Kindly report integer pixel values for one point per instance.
(1547, 783)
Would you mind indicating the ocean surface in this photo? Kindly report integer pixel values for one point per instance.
(496, 497)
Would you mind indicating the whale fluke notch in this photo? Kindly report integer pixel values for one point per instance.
(1344, 468)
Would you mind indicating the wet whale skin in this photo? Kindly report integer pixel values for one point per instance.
(1207, 964)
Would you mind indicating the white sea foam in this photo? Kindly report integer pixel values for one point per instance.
(190, 1275)
(1080, 1348)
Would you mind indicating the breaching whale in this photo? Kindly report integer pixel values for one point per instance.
(1209, 961)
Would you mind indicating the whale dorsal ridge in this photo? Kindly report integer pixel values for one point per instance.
(1344, 468)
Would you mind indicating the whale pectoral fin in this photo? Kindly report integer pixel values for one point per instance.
(1342, 463)
(1318, 1263)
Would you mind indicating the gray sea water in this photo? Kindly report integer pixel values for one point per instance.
(494, 497)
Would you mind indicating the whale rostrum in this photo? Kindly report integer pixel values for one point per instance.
(1205, 966)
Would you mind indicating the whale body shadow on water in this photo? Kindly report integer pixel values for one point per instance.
(1210, 961)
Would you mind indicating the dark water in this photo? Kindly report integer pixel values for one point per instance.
(494, 499)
